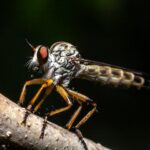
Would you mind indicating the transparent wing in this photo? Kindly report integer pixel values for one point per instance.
(91, 62)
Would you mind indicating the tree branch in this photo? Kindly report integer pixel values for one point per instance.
(13, 133)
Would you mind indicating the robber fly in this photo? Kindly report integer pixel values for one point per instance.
(61, 63)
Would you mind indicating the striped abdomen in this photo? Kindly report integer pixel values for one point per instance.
(110, 75)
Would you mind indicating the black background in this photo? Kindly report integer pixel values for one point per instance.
(112, 31)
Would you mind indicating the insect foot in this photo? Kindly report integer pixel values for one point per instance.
(80, 136)
(26, 115)
(44, 126)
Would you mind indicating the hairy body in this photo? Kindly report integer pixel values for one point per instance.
(64, 63)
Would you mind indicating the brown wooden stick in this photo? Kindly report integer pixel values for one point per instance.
(27, 136)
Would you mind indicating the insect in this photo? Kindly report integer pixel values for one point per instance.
(61, 63)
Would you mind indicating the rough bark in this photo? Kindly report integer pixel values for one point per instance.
(19, 136)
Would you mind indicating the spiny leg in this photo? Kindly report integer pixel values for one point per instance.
(82, 98)
(83, 120)
(43, 127)
(47, 92)
(65, 96)
(24, 89)
(44, 85)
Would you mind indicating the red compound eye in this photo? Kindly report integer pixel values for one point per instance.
(43, 54)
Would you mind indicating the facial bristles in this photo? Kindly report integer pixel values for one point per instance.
(30, 45)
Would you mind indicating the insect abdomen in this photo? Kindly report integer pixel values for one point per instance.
(110, 75)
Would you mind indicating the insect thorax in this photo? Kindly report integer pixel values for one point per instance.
(60, 65)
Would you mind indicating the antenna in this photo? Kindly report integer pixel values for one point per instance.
(30, 44)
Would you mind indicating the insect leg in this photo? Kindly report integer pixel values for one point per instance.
(47, 83)
(83, 99)
(24, 89)
(73, 117)
(66, 97)
(47, 92)
(87, 116)
(44, 85)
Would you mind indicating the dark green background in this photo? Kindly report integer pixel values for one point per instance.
(112, 31)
